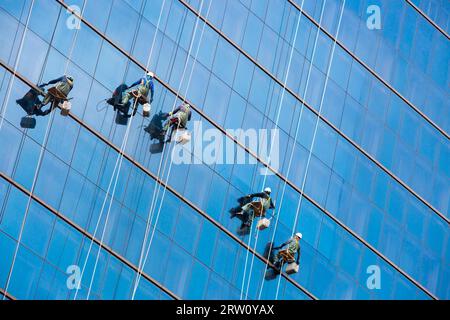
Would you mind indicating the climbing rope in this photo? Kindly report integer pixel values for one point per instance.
(23, 136)
(16, 65)
(298, 127)
(115, 177)
(11, 51)
(42, 149)
(315, 130)
(269, 157)
(152, 203)
(171, 156)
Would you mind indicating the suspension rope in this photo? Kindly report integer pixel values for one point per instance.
(111, 133)
(16, 66)
(41, 153)
(108, 188)
(105, 106)
(85, 179)
(22, 140)
(173, 55)
(117, 166)
(140, 270)
(115, 176)
(318, 119)
(296, 132)
(320, 111)
(315, 130)
(270, 154)
(156, 185)
(12, 48)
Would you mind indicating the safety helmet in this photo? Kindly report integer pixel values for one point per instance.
(268, 190)
(299, 235)
(150, 74)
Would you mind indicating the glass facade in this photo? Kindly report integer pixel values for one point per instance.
(364, 151)
(437, 11)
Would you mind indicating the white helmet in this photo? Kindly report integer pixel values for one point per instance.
(150, 74)
(268, 190)
(299, 235)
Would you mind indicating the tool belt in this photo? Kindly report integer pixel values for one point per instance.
(258, 209)
(57, 94)
(139, 97)
(286, 255)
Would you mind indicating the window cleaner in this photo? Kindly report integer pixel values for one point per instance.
(139, 91)
(56, 96)
(177, 124)
(248, 209)
(287, 255)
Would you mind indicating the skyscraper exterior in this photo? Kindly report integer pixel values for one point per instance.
(348, 101)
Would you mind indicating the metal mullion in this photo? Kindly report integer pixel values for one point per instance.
(217, 224)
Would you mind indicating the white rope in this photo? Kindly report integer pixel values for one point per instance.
(320, 111)
(142, 134)
(152, 204)
(270, 151)
(140, 270)
(16, 65)
(41, 154)
(149, 219)
(296, 132)
(117, 166)
(11, 51)
(116, 179)
(318, 119)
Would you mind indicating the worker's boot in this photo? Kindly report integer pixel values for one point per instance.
(235, 211)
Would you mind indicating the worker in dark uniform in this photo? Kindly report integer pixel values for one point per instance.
(33, 105)
(145, 86)
(246, 210)
(178, 119)
(293, 248)
(63, 85)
